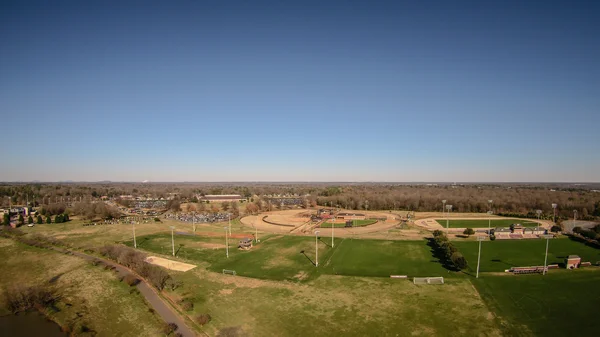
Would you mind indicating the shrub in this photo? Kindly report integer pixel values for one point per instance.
(469, 231)
(167, 329)
(458, 260)
(203, 319)
(492, 237)
(131, 280)
(186, 304)
(25, 298)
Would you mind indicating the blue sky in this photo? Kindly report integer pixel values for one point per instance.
(300, 91)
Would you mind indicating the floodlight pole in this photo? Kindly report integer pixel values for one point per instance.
(489, 222)
(547, 237)
(173, 240)
(134, 242)
(443, 207)
(554, 207)
(226, 243)
(229, 220)
(316, 249)
(539, 212)
(449, 208)
(332, 231)
(479, 238)
(574, 214)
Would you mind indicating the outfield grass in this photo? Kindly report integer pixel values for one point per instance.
(562, 303)
(384, 258)
(355, 223)
(469, 223)
(499, 255)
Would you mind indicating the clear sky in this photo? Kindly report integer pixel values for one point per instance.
(300, 91)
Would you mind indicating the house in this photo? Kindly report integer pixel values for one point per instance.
(572, 261)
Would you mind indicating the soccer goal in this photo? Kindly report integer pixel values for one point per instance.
(428, 280)
(230, 272)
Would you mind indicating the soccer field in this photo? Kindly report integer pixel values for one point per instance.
(561, 303)
(383, 258)
(499, 255)
(479, 223)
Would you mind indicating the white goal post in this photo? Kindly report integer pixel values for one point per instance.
(230, 272)
(428, 280)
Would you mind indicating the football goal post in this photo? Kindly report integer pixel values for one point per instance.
(230, 272)
(428, 280)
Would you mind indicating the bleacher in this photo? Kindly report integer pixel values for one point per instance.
(516, 236)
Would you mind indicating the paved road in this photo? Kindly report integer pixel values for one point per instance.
(158, 304)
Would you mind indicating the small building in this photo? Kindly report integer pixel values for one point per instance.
(572, 261)
(245, 244)
(351, 216)
(221, 198)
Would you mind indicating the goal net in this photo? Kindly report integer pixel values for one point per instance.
(230, 272)
(428, 280)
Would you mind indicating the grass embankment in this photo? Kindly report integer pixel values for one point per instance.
(91, 297)
(355, 223)
(468, 223)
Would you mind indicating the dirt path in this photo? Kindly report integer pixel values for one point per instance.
(159, 305)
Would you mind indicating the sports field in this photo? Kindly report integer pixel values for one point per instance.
(562, 303)
(383, 258)
(355, 223)
(499, 255)
(482, 223)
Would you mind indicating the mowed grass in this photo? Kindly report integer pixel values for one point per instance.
(355, 223)
(336, 306)
(91, 296)
(479, 223)
(499, 255)
(562, 303)
(275, 257)
(384, 258)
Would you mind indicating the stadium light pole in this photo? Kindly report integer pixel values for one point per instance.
(316, 249)
(226, 243)
(547, 237)
(490, 204)
(443, 207)
(173, 239)
(539, 213)
(332, 231)
(134, 242)
(489, 221)
(574, 214)
(479, 238)
(554, 207)
(229, 220)
(449, 208)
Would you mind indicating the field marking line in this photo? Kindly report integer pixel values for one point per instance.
(335, 250)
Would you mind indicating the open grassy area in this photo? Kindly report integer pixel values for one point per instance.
(499, 255)
(561, 303)
(384, 258)
(336, 305)
(91, 296)
(355, 223)
(470, 223)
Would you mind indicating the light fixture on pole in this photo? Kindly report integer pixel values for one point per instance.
(547, 237)
(226, 242)
(554, 207)
(316, 249)
(479, 238)
(574, 214)
(173, 239)
(448, 208)
(490, 204)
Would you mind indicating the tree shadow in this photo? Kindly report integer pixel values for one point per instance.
(584, 241)
(503, 262)
(309, 259)
(440, 255)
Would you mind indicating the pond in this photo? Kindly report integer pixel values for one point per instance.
(28, 324)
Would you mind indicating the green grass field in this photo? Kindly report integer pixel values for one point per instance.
(561, 303)
(356, 223)
(499, 255)
(462, 223)
(384, 258)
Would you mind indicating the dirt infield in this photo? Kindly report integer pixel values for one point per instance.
(170, 264)
(302, 224)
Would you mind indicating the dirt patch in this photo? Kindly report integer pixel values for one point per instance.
(169, 264)
(301, 276)
(226, 291)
